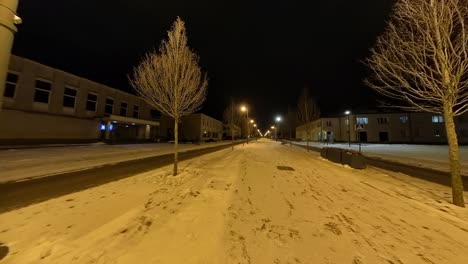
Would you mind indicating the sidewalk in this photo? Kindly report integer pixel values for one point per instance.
(24, 164)
(426, 156)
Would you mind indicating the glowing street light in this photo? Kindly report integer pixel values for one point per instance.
(278, 119)
(347, 113)
(245, 109)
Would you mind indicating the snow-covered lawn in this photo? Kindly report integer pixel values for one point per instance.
(428, 156)
(238, 207)
(18, 164)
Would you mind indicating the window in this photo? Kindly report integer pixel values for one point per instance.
(155, 114)
(437, 133)
(10, 85)
(403, 133)
(91, 103)
(464, 132)
(403, 119)
(346, 121)
(362, 120)
(136, 109)
(42, 91)
(437, 119)
(109, 108)
(329, 123)
(382, 120)
(69, 97)
(123, 109)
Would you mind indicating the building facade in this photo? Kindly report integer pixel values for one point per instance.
(230, 130)
(383, 128)
(46, 105)
(200, 127)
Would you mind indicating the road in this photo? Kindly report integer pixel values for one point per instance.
(261, 203)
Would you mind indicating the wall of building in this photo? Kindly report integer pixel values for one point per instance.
(384, 128)
(200, 127)
(32, 121)
(30, 127)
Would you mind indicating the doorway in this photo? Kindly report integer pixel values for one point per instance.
(383, 136)
(362, 136)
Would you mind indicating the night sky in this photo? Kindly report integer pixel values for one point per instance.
(260, 52)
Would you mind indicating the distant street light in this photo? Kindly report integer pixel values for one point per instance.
(347, 113)
(245, 109)
(278, 120)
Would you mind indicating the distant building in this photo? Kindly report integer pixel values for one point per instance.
(231, 129)
(46, 105)
(384, 128)
(200, 127)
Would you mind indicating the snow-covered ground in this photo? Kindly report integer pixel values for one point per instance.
(428, 156)
(238, 207)
(20, 164)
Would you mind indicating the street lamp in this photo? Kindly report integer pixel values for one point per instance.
(245, 109)
(278, 119)
(347, 113)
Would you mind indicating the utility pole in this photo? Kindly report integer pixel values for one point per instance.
(8, 19)
(232, 123)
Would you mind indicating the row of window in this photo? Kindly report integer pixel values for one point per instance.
(403, 120)
(43, 90)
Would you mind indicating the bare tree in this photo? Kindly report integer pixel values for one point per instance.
(171, 80)
(231, 114)
(422, 59)
(307, 111)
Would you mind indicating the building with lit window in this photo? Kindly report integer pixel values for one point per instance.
(46, 105)
(383, 127)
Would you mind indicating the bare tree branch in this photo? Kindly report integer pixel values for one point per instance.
(422, 60)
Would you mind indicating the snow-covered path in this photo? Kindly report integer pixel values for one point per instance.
(238, 207)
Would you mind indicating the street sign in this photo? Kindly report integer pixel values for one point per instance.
(359, 126)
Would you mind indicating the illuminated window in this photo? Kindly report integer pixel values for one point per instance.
(10, 85)
(69, 97)
(437, 133)
(403, 119)
(362, 120)
(109, 108)
(437, 119)
(91, 102)
(42, 91)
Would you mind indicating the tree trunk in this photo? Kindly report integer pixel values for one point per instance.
(176, 145)
(308, 135)
(454, 158)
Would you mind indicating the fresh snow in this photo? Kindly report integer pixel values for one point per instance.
(21, 164)
(427, 156)
(237, 207)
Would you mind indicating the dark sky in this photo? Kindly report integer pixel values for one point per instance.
(259, 52)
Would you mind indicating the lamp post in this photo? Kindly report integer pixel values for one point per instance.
(278, 120)
(245, 109)
(8, 20)
(347, 113)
